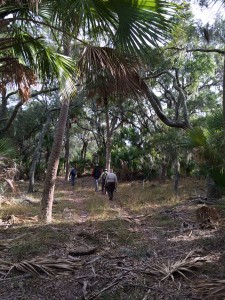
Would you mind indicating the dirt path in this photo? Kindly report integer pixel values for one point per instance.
(123, 251)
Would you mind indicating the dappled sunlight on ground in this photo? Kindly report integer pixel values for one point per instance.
(139, 229)
(192, 235)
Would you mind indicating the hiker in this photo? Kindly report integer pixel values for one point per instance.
(111, 184)
(72, 176)
(96, 173)
(103, 178)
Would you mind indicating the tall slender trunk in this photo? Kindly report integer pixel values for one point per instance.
(83, 152)
(108, 135)
(67, 150)
(53, 162)
(176, 175)
(163, 171)
(3, 106)
(36, 155)
(224, 109)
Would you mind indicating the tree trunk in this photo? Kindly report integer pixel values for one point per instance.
(108, 135)
(163, 171)
(224, 110)
(36, 156)
(3, 107)
(212, 190)
(83, 152)
(49, 184)
(67, 151)
(176, 175)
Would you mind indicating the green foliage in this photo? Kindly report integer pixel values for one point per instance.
(7, 148)
(197, 137)
(208, 147)
(37, 244)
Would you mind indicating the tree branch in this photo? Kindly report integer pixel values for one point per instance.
(20, 103)
(197, 49)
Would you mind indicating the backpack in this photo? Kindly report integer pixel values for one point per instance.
(73, 172)
(104, 175)
(97, 172)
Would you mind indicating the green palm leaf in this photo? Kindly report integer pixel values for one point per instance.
(196, 137)
(7, 149)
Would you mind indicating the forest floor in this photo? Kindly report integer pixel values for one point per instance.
(133, 247)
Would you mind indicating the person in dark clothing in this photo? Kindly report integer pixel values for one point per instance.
(96, 173)
(72, 175)
(111, 184)
(103, 177)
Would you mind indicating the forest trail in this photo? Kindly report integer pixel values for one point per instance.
(131, 248)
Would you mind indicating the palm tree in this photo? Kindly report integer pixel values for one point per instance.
(207, 146)
(24, 53)
(130, 26)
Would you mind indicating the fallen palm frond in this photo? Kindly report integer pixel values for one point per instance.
(179, 267)
(211, 289)
(40, 266)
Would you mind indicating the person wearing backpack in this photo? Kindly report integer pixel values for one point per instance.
(72, 176)
(96, 173)
(111, 183)
(103, 177)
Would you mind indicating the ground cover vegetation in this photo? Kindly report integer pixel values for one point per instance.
(148, 242)
(133, 85)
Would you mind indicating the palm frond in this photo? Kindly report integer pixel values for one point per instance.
(179, 267)
(40, 266)
(130, 25)
(215, 120)
(7, 148)
(211, 289)
(110, 72)
(194, 138)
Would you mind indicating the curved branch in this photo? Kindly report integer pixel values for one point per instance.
(206, 50)
(20, 103)
(13, 116)
(197, 49)
(154, 102)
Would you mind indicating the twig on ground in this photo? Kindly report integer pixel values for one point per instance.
(84, 289)
(115, 282)
(146, 296)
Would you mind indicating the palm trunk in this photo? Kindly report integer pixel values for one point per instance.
(83, 152)
(3, 106)
(108, 135)
(36, 156)
(49, 184)
(212, 190)
(67, 151)
(224, 109)
(176, 175)
(163, 171)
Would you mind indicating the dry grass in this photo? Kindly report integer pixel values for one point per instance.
(130, 197)
(211, 289)
(140, 228)
(178, 267)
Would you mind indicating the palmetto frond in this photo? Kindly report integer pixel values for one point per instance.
(207, 145)
(29, 58)
(110, 72)
(7, 149)
(178, 267)
(211, 289)
(24, 53)
(40, 266)
(128, 24)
